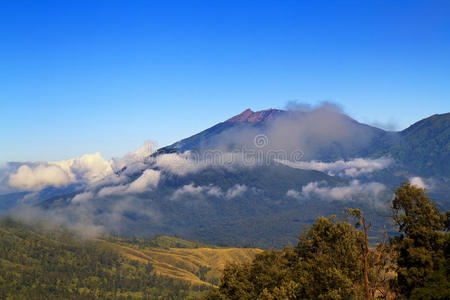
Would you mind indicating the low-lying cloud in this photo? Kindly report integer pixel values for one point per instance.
(355, 190)
(145, 182)
(149, 179)
(39, 177)
(351, 168)
(84, 217)
(236, 191)
(134, 161)
(179, 163)
(210, 190)
(88, 169)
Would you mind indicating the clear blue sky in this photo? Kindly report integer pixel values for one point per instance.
(78, 77)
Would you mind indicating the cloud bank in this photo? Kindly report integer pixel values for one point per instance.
(355, 190)
(351, 168)
(39, 177)
(179, 163)
(88, 169)
(210, 190)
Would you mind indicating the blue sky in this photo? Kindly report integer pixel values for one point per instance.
(78, 77)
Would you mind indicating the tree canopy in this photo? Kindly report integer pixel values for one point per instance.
(422, 245)
(333, 260)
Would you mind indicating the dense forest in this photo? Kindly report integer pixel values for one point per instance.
(332, 260)
(46, 263)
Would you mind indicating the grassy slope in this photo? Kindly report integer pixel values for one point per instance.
(199, 264)
(32, 250)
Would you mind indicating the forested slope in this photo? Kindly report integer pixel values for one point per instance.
(37, 262)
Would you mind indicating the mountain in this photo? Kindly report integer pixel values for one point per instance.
(424, 147)
(322, 134)
(258, 177)
(9, 200)
(421, 148)
(245, 120)
(216, 205)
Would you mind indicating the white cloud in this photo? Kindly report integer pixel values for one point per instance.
(112, 190)
(83, 197)
(148, 179)
(293, 194)
(137, 157)
(418, 182)
(188, 189)
(90, 169)
(180, 164)
(355, 190)
(350, 168)
(210, 190)
(214, 191)
(236, 191)
(39, 177)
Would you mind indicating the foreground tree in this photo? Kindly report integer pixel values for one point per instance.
(326, 264)
(376, 264)
(333, 259)
(422, 245)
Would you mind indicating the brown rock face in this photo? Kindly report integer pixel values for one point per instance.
(249, 116)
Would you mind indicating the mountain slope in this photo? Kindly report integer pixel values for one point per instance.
(421, 149)
(42, 262)
(322, 134)
(177, 190)
(198, 266)
(425, 146)
(207, 210)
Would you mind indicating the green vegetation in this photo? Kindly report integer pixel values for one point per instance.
(332, 259)
(422, 246)
(199, 264)
(326, 264)
(425, 146)
(41, 262)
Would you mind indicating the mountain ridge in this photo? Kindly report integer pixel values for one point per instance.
(272, 199)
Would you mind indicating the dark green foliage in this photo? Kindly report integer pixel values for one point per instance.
(331, 253)
(437, 286)
(54, 264)
(326, 264)
(422, 243)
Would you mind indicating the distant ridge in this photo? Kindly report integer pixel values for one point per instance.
(272, 205)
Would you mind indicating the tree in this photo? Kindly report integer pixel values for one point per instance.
(326, 264)
(422, 241)
(370, 259)
(330, 256)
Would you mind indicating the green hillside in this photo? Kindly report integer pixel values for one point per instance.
(201, 267)
(39, 262)
(427, 146)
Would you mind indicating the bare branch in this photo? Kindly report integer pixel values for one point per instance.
(377, 260)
